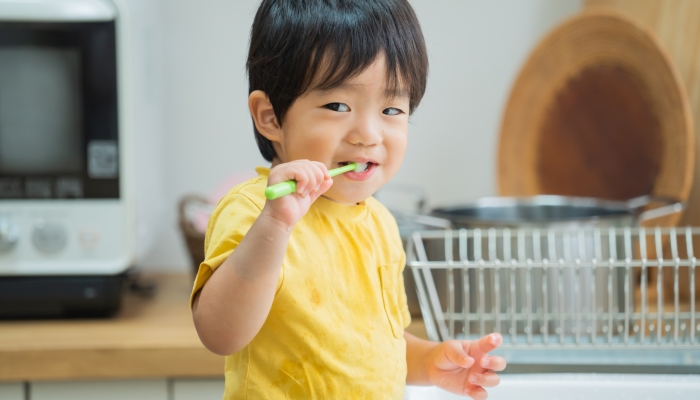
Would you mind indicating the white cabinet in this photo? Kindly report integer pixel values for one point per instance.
(153, 389)
(103, 390)
(12, 391)
(198, 389)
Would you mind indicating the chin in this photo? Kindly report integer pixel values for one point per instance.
(350, 196)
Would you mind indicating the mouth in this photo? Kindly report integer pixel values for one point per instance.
(367, 165)
(364, 171)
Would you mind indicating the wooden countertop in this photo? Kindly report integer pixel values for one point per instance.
(148, 338)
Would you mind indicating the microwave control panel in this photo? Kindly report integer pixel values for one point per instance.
(63, 238)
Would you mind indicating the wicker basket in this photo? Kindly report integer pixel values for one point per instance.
(193, 237)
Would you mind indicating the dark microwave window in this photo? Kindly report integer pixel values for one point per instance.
(40, 110)
(59, 131)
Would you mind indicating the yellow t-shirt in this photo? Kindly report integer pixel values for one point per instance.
(335, 329)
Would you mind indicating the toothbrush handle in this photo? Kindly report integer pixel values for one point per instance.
(281, 189)
(342, 170)
(288, 187)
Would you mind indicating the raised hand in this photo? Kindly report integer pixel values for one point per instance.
(312, 181)
(464, 367)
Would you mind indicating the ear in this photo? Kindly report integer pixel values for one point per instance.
(264, 115)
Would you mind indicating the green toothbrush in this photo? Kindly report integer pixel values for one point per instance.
(288, 187)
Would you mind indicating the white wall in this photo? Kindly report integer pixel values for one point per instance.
(475, 49)
(147, 63)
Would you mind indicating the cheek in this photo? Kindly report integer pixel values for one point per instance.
(307, 139)
(396, 148)
(309, 146)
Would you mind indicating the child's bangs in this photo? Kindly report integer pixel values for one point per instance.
(345, 47)
(333, 68)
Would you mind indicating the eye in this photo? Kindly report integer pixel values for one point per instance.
(339, 107)
(392, 111)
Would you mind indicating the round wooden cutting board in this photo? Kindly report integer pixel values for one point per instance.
(598, 110)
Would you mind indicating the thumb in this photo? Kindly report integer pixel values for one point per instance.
(451, 355)
(325, 185)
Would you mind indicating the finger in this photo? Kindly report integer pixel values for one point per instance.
(476, 392)
(487, 379)
(494, 363)
(325, 185)
(282, 173)
(321, 190)
(323, 168)
(320, 172)
(312, 174)
(485, 344)
(323, 180)
(301, 177)
(451, 356)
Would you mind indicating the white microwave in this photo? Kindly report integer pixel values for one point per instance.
(67, 209)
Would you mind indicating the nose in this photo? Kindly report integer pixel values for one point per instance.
(365, 131)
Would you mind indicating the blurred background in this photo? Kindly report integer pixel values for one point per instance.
(593, 98)
(475, 50)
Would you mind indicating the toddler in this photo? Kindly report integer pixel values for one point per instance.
(304, 294)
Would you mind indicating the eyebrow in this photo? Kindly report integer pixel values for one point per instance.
(397, 93)
(389, 93)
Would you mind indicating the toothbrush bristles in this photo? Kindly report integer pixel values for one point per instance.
(361, 167)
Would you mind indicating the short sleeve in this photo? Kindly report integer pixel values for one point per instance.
(403, 301)
(228, 224)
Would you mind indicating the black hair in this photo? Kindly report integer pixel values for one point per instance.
(297, 43)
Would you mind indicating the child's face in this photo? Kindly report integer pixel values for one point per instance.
(358, 121)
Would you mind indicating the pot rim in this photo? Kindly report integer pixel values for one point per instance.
(615, 209)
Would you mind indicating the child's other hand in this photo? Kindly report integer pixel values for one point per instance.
(464, 367)
(312, 181)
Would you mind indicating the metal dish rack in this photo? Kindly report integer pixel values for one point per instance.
(590, 299)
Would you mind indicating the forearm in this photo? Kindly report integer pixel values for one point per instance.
(417, 352)
(234, 303)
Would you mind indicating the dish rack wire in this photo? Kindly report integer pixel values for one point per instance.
(589, 288)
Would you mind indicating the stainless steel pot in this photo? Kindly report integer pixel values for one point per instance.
(545, 213)
(559, 212)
